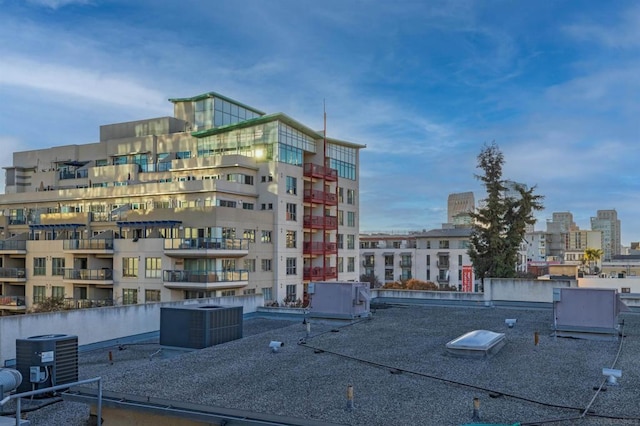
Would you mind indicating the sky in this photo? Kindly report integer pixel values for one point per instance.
(423, 84)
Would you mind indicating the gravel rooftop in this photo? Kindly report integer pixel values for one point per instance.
(398, 366)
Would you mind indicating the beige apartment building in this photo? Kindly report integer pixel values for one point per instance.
(220, 199)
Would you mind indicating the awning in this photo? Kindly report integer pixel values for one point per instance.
(53, 226)
(149, 223)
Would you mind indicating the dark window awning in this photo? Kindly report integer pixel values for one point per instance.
(56, 226)
(388, 253)
(149, 223)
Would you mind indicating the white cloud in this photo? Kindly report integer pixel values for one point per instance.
(623, 34)
(56, 4)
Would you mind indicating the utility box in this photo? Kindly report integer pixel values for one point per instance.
(588, 313)
(341, 300)
(199, 326)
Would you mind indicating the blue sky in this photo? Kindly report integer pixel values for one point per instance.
(424, 84)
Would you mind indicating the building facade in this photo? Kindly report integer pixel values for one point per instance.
(438, 255)
(220, 199)
(608, 223)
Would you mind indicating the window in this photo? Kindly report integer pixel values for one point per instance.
(151, 296)
(129, 296)
(226, 203)
(39, 293)
(267, 178)
(460, 260)
(250, 265)
(249, 291)
(351, 218)
(181, 155)
(388, 260)
(339, 241)
(248, 206)
(240, 178)
(57, 266)
(388, 274)
(292, 185)
(224, 293)
(265, 237)
(291, 239)
(351, 241)
(351, 264)
(39, 266)
(266, 264)
(291, 265)
(340, 217)
(351, 196)
(291, 211)
(152, 268)
(57, 292)
(341, 264)
(443, 244)
(250, 235)
(340, 194)
(291, 293)
(267, 294)
(130, 267)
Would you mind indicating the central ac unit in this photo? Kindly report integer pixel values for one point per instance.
(47, 360)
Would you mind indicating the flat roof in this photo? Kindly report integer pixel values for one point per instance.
(398, 366)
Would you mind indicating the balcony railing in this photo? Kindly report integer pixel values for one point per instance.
(181, 276)
(405, 264)
(12, 301)
(368, 264)
(13, 273)
(70, 303)
(319, 273)
(442, 265)
(88, 244)
(320, 197)
(13, 245)
(318, 247)
(321, 222)
(206, 244)
(88, 274)
(317, 171)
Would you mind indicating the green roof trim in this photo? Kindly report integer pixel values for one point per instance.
(279, 116)
(216, 95)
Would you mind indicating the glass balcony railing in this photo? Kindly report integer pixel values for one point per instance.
(13, 245)
(70, 303)
(88, 244)
(12, 273)
(88, 274)
(12, 301)
(206, 244)
(180, 276)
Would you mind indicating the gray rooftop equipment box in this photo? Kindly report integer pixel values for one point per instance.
(199, 326)
(341, 300)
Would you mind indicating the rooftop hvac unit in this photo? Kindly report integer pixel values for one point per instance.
(46, 361)
(199, 326)
(341, 300)
(588, 313)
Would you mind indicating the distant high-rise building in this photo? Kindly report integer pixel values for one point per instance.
(558, 229)
(607, 221)
(459, 206)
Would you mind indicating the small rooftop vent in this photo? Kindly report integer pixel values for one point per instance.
(199, 326)
(476, 344)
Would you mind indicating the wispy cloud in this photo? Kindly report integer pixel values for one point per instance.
(625, 33)
(56, 4)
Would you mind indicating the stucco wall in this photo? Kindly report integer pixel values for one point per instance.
(521, 290)
(632, 283)
(101, 324)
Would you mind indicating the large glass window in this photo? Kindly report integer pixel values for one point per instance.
(151, 296)
(351, 196)
(292, 185)
(351, 264)
(291, 211)
(39, 266)
(130, 267)
(249, 235)
(267, 294)
(39, 293)
(291, 293)
(250, 265)
(351, 241)
(57, 292)
(266, 265)
(265, 237)
(291, 239)
(343, 159)
(291, 266)
(351, 219)
(57, 266)
(129, 296)
(153, 267)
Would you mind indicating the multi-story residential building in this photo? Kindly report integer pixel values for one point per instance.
(437, 255)
(220, 199)
(608, 223)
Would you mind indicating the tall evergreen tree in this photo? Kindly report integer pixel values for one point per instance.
(499, 225)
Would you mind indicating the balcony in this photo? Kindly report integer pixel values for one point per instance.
(102, 276)
(320, 197)
(318, 247)
(320, 172)
(90, 245)
(18, 275)
(319, 273)
(13, 303)
(205, 280)
(442, 264)
(13, 247)
(321, 222)
(405, 263)
(70, 303)
(206, 247)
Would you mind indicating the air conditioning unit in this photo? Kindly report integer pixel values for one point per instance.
(47, 360)
(199, 326)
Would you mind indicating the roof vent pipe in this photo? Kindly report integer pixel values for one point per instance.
(9, 380)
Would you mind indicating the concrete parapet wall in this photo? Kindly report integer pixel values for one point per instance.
(523, 290)
(100, 324)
